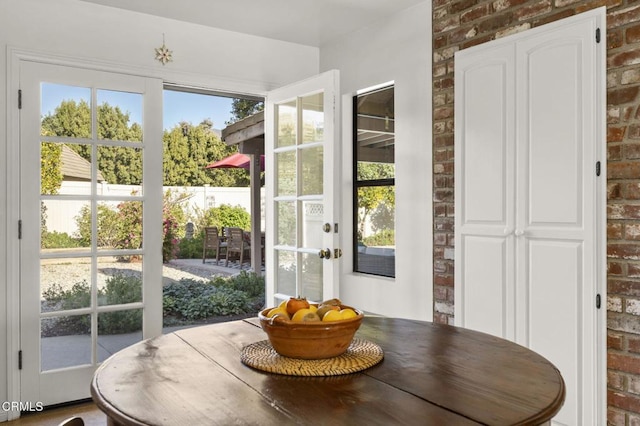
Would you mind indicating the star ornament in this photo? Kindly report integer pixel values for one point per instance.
(163, 54)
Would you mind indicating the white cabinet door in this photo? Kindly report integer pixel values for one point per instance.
(529, 203)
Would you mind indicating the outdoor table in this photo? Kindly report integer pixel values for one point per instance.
(431, 374)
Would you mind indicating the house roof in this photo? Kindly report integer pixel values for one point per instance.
(74, 167)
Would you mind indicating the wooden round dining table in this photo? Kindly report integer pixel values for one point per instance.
(431, 374)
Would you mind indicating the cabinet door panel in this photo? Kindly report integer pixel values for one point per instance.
(486, 294)
(555, 132)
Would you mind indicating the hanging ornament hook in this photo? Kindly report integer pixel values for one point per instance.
(163, 54)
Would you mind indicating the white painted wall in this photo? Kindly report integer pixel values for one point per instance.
(85, 33)
(399, 50)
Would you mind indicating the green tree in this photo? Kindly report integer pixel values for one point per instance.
(50, 170)
(188, 149)
(370, 197)
(118, 165)
(242, 108)
(69, 119)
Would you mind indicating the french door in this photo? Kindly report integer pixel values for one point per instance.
(530, 200)
(302, 170)
(90, 212)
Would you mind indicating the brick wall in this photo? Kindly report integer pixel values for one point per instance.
(461, 24)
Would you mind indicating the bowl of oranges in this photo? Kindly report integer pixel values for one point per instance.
(303, 330)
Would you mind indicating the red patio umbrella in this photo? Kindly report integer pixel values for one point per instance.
(235, 161)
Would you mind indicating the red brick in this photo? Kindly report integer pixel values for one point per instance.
(615, 134)
(495, 23)
(634, 131)
(623, 96)
(440, 279)
(624, 287)
(463, 34)
(624, 401)
(631, 151)
(459, 6)
(623, 170)
(610, 4)
(614, 341)
(634, 344)
(614, 152)
(616, 418)
(623, 211)
(614, 39)
(443, 195)
(614, 268)
(615, 380)
(442, 113)
(623, 59)
(475, 13)
(632, 34)
(614, 231)
(633, 270)
(501, 5)
(614, 191)
(440, 318)
(624, 251)
(443, 141)
(532, 10)
(631, 191)
(623, 17)
(444, 25)
(553, 17)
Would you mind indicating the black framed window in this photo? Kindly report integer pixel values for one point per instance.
(374, 182)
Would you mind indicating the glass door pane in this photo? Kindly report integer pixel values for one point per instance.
(88, 254)
(302, 203)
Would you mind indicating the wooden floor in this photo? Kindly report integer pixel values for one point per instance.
(91, 415)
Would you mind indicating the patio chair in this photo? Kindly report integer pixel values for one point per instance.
(237, 244)
(213, 241)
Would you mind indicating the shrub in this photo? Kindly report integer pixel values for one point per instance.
(191, 248)
(225, 216)
(197, 300)
(386, 237)
(56, 239)
(186, 300)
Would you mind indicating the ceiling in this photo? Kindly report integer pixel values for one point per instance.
(308, 22)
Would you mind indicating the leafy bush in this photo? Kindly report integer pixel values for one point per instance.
(196, 300)
(56, 239)
(191, 248)
(186, 300)
(225, 216)
(386, 237)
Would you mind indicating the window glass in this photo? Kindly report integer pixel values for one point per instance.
(374, 182)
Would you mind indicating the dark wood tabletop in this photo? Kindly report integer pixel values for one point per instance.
(432, 374)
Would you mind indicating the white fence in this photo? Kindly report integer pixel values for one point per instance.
(61, 214)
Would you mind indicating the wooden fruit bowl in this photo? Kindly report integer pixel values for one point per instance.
(310, 340)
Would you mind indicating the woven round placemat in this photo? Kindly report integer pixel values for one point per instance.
(360, 355)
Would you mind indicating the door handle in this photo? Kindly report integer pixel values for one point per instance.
(337, 253)
(325, 254)
(519, 233)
